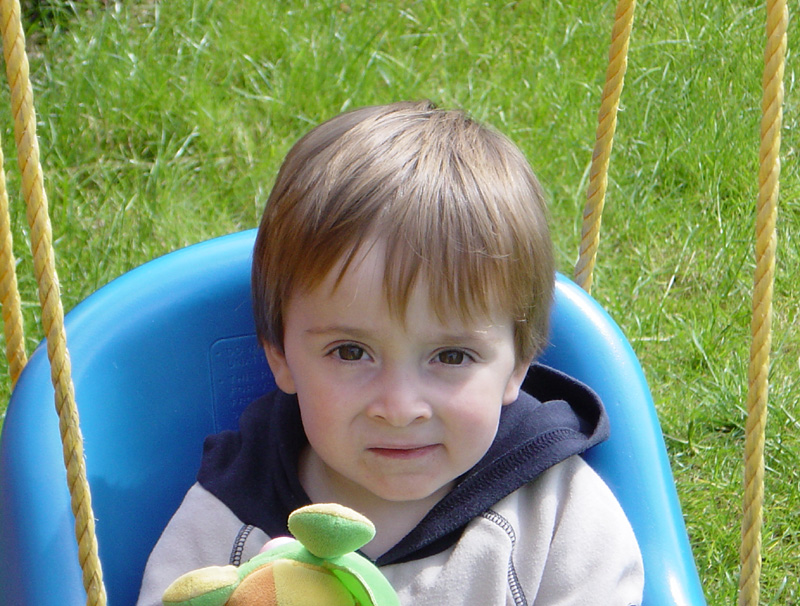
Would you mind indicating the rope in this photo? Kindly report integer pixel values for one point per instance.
(604, 140)
(9, 290)
(755, 428)
(49, 296)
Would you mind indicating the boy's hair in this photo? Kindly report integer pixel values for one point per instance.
(455, 204)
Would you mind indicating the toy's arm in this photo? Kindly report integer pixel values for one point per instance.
(205, 587)
(202, 533)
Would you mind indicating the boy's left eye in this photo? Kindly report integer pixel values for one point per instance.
(453, 357)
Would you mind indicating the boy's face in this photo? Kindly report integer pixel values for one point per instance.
(394, 410)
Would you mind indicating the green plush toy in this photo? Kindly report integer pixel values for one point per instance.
(320, 568)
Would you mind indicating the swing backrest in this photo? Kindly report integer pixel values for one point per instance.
(166, 354)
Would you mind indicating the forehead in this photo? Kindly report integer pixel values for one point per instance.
(367, 281)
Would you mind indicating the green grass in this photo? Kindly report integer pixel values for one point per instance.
(163, 124)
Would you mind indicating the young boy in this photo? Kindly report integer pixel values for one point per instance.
(402, 281)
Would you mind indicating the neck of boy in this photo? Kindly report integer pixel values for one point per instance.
(393, 520)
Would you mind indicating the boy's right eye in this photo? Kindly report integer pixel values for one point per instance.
(349, 352)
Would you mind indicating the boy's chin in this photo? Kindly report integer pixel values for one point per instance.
(413, 492)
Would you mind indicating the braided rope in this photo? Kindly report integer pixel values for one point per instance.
(604, 141)
(755, 429)
(9, 290)
(22, 109)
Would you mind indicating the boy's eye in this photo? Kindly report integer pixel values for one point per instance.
(349, 353)
(451, 356)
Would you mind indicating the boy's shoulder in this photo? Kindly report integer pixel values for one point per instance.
(562, 533)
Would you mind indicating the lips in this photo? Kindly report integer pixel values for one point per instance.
(404, 452)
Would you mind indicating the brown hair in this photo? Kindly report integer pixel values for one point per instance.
(453, 202)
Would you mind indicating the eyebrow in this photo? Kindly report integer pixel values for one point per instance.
(335, 328)
(362, 334)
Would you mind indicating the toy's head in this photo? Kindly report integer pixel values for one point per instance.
(319, 568)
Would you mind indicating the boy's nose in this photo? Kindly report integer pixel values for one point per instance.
(399, 400)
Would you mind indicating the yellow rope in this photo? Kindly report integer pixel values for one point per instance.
(9, 291)
(769, 171)
(49, 296)
(604, 140)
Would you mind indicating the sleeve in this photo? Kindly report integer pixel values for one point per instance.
(593, 556)
(203, 532)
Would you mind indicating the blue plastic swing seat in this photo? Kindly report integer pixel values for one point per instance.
(167, 354)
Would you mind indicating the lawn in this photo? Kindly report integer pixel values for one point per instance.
(163, 124)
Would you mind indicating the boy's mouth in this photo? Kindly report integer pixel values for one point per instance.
(404, 452)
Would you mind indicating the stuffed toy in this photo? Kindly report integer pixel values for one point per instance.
(319, 568)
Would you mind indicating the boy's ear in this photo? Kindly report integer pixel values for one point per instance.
(515, 381)
(276, 359)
